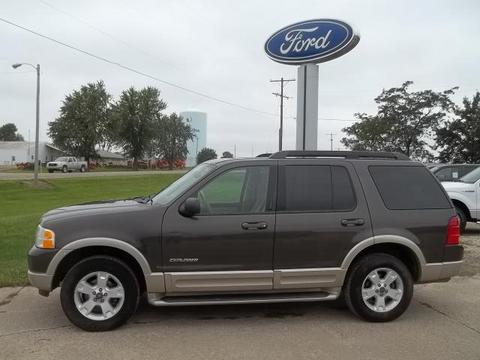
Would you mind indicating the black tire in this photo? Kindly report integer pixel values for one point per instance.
(354, 283)
(116, 268)
(50, 171)
(82, 169)
(64, 169)
(463, 219)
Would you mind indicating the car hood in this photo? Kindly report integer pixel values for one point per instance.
(456, 186)
(92, 208)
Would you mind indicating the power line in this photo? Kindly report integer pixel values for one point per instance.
(138, 72)
(103, 32)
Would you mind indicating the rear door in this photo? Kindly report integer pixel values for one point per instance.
(321, 215)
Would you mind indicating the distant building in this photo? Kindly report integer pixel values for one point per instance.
(198, 121)
(14, 152)
(110, 158)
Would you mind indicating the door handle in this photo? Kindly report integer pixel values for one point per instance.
(257, 225)
(353, 222)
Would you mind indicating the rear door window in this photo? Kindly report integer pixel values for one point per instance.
(315, 188)
(408, 188)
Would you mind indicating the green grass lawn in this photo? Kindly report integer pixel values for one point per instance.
(21, 206)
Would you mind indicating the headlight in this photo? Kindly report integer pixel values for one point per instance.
(45, 238)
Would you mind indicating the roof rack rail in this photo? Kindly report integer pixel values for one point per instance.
(267, 155)
(342, 154)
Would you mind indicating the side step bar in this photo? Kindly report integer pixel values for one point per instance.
(239, 299)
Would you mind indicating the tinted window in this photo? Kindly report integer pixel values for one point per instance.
(237, 191)
(343, 195)
(315, 188)
(446, 173)
(408, 187)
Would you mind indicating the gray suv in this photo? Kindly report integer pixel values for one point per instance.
(295, 226)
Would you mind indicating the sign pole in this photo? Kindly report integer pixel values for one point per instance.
(307, 107)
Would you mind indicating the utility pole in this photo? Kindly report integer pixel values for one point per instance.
(282, 81)
(331, 140)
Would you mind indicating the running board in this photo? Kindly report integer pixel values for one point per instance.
(239, 299)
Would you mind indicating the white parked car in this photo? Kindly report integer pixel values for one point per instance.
(465, 195)
(67, 164)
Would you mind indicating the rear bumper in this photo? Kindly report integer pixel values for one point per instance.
(440, 271)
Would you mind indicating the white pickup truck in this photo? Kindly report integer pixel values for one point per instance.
(465, 195)
(67, 164)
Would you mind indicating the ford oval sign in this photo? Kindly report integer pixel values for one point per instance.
(312, 41)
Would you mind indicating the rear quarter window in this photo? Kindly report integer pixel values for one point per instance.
(408, 188)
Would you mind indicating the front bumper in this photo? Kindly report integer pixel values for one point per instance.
(38, 262)
(42, 282)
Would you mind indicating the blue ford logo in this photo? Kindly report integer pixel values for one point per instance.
(311, 41)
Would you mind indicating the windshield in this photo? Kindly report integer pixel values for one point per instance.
(61, 159)
(178, 187)
(471, 177)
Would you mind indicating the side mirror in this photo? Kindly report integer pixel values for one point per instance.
(190, 207)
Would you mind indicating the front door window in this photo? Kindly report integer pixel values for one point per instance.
(237, 191)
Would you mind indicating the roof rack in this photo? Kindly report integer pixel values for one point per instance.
(341, 154)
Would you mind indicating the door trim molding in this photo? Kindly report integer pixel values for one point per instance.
(308, 278)
(218, 281)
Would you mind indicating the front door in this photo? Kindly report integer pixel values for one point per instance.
(321, 215)
(229, 245)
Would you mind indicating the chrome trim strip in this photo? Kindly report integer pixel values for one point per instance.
(207, 281)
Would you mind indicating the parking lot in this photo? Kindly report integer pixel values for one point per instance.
(443, 322)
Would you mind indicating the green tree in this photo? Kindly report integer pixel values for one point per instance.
(8, 132)
(459, 140)
(135, 117)
(404, 121)
(82, 121)
(227, 155)
(170, 141)
(206, 154)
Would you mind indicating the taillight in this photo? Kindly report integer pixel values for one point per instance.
(453, 231)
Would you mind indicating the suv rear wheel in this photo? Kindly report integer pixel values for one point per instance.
(463, 218)
(99, 293)
(379, 288)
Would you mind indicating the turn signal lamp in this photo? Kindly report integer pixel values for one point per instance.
(45, 238)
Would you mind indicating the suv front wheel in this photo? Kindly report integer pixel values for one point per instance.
(99, 293)
(378, 288)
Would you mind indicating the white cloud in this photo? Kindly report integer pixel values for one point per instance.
(216, 47)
